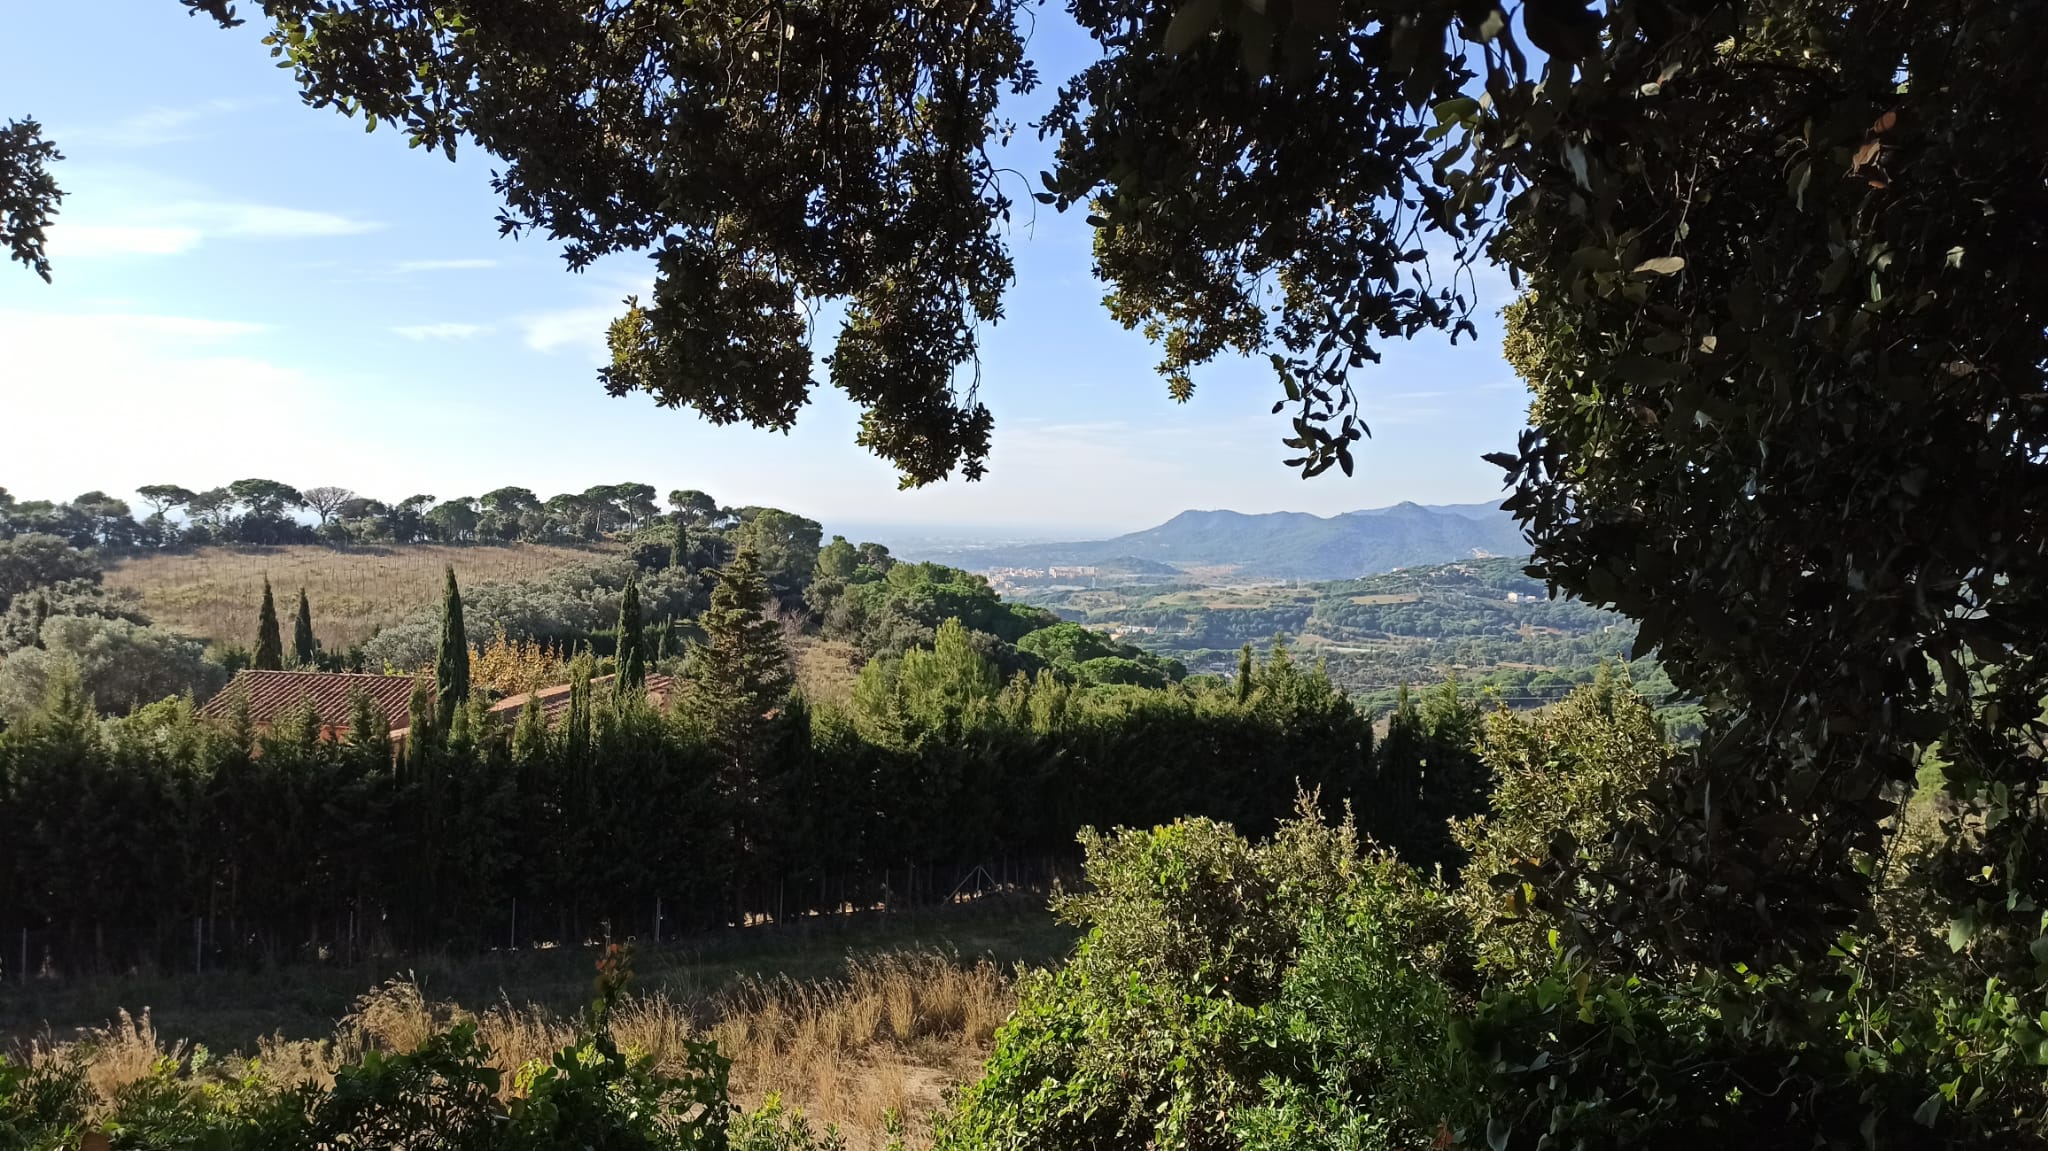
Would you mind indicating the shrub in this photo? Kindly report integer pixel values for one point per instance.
(120, 665)
(1227, 994)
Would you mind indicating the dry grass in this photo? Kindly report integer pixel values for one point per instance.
(214, 593)
(889, 1037)
(892, 1036)
(826, 669)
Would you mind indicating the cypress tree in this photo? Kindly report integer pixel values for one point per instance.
(530, 737)
(630, 649)
(1398, 817)
(1244, 673)
(451, 669)
(305, 649)
(679, 547)
(576, 724)
(741, 670)
(269, 641)
(419, 722)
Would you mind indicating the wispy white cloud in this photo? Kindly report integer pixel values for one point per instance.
(160, 125)
(444, 265)
(578, 329)
(269, 221)
(173, 229)
(193, 328)
(88, 241)
(40, 329)
(444, 331)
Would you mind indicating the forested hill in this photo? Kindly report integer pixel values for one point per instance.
(1277, 545)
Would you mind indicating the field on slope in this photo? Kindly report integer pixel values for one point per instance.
(215, 593)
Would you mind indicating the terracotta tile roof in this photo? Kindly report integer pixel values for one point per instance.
(274, 693)
(554, 701)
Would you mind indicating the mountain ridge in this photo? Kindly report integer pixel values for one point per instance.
(1276, 545)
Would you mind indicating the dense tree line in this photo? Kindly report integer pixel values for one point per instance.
(118, 835)
(269, 512)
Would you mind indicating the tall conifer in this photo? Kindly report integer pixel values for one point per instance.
(1244, 673)
(630, 649)
(269, 640)
(451, 669)
(740, 671)
(305, 649)
(530, 737)
(576, 724)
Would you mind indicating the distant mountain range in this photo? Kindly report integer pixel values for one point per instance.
(1274, 545)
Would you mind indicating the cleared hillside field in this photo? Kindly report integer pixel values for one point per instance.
(215, 593)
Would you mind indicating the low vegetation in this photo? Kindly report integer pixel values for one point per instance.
(868, 1053)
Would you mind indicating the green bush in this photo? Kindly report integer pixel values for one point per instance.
(1227, 994)
(1305, 993)
(42, 1108)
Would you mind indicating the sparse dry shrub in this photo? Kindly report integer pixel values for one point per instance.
(520, 1035)
(397, 1016)
(885, 1039)
(113, 1056)
(513, 667)
(287, 1063)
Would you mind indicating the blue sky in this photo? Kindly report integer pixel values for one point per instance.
(246, 286)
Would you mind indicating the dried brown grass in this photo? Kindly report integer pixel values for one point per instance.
(114, 1056)
(215, 593)
(888, 1038)
(826, 669)
(891, 1037)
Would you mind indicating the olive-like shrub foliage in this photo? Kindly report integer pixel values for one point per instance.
(1228, 994)
(1311, 992)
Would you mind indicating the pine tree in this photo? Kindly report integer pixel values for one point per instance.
(369, 728)
(740, 671)
(269, 641)
(451, 669)
(1244, 673)
(630, 650)
(305, 649)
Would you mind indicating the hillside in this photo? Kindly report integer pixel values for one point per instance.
(214, 593)
(1483, 620)
(1273, 545)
